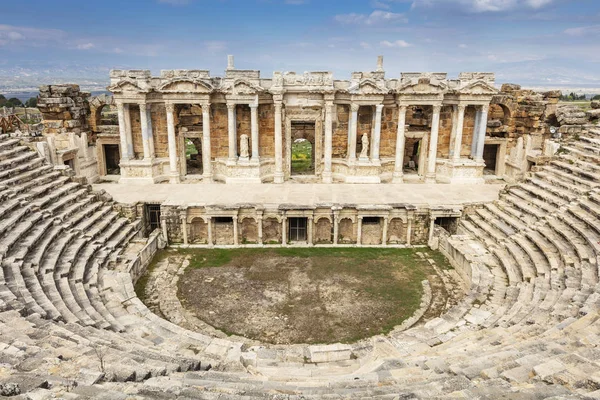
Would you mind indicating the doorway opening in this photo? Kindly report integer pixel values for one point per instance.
(298, 229)
(490, 154)
(303, 148)
(193, 156)
(152, 217)
(450, 224)
(70, 163)
(112, 158)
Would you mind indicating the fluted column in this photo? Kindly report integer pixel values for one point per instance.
(260, 229)
(206, 149)
(353, 132)
(376, 139)
(460, 120)
(359, 231)
(327, 174)
(400, 144)
(278, 177)
(235, 230)
(284, 231)
(409, 231)
(254, 131)
(128, 134)
(336, 228)
(145, 132)
(209, 229)
(122, 131)
(481, 133)
(433, 141)
(150, 131)
(174, 178)
(475, 136)
(231, 129)
(309, 231)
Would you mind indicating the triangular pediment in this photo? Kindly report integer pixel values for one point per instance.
(479, 87)
(423, 85)
(185, 86)
(242, 86)
(125, 85)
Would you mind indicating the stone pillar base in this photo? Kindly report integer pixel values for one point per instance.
(175, 179)
(327, 178)
(278, 177)
(398, 177)
(460, 171)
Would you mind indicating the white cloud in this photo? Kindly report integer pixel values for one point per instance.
(10, 34)
(480, 6)
(397, 43)
(365, 45)
(463, 46)
(85, 46)
(377, 17)
(583, 30)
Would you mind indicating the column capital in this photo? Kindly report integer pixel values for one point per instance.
(437, 108)
(360, 217)
(485, 108)
(170, 107)
(142, 103)
(120, 106)
(379, 108)
(253, 105)
(402, 107)
(354, 107)
(461, 107)
(205, 106)
(231, 106)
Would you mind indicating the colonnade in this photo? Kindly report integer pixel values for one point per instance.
(127, 151)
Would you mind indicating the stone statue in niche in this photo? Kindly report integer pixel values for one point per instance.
(244, 152)
(364, 153)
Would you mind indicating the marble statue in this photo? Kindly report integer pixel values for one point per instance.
(244, 152)
(364, 153)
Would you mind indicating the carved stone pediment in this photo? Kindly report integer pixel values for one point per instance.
(184, 85)
(422, 85)
(243, 86)
(369, 86)
(126, 85)
(479, 87)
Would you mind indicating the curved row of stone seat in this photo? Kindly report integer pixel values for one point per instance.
(54, 237)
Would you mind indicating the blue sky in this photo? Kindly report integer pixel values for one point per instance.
(529, 41)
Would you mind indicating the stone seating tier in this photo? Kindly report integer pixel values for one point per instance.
(528, 327)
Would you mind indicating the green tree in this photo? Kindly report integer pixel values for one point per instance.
(14, 102)
(32, 102)
(596, 97)
(2, 100)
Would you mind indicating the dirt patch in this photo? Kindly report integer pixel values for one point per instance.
(303, 295)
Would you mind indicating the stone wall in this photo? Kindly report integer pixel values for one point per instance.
(340, 131)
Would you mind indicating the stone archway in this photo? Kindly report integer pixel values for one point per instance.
(396, 231)
(271, 231)
(347, 231)
(323, 231)
(248, 231)
(198, 231)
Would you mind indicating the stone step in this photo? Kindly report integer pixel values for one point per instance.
(506, 217)
(13, 152)
(585, 153)
(569, 177)
(28, 175)
(527, 209)
(31, 164)
(9, 164)
(544, 207)
(575, 170)
(557, 191)
(543, 194)
(7, 143)
(561, 182)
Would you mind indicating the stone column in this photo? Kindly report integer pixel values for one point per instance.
(122, 131)
(284, 231)
(359, 231)
(385, 231)
(165, 232)
(475, 133)
(145, 133)
(433, 140)
(453, 131)
(400, 142)
(376, 139)
(254, 131)
(278, 177)
(431, 225)
(235, 230)
(184, 229)
(209, 229)
(231, 129)
(174, 178)
(409, 231)
(84, 144)
(309, 231)
(150, 131)
(353, 132)
(482, 129)
(126, 115)
(460, 120)
(327, 178)
(336, 228)
(260, 229)
(206, 150)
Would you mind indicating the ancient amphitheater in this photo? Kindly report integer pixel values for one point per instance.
(528, 326)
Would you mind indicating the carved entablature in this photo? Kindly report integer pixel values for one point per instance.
(473, 87)
(186, 85)
(368, 83)
(129, 86)
(307, 82)
(241, 87)
(425, 83)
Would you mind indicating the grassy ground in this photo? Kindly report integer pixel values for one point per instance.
(302, 162)
(584, 105)
(304, 295)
